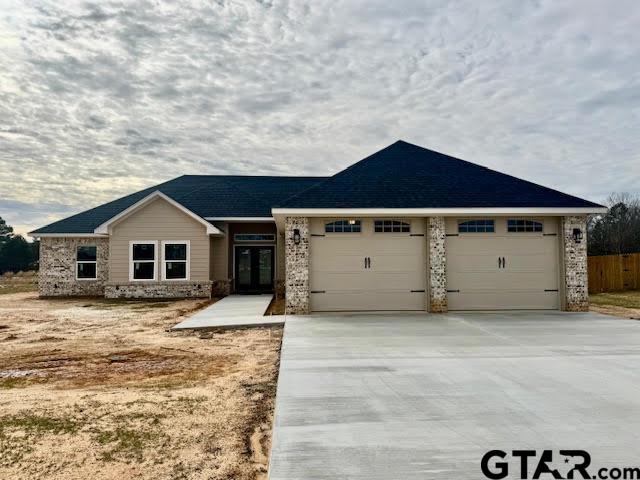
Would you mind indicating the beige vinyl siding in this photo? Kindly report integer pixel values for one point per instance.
(159, 221)
(219, 255)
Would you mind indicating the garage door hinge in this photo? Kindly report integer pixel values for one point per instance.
(453, 291)
(549, 234)
(550, 289)
(318, 291)
(417, 291)
(451, 235)
(317, 235)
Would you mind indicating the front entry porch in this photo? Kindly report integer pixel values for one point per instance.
(254, 268)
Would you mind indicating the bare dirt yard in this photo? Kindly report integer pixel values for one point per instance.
(93, 388)
(624, 304)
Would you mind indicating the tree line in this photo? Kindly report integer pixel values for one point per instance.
(16, 254)
(618, 230)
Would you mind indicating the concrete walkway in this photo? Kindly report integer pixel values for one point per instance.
(233, 311)
(415, 397)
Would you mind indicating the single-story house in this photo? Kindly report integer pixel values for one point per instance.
(404, 229)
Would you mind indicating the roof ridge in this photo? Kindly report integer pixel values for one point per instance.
(257, 176)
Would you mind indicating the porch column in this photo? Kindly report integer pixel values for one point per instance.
(576, 289)
(437, 266)
(296, 266)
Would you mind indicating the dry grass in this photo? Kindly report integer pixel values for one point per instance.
(622, 304)
(18, 282)
(98, 388)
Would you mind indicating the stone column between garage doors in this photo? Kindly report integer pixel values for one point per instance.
(437, 265)
(296, 266)
(576, 289)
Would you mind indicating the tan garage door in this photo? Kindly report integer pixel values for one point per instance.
(368, 270)
(502, 270)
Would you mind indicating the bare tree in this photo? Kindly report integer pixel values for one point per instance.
(618, 230)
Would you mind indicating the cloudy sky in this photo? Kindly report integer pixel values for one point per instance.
(100, 99)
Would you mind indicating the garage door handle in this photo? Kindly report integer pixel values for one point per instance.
(504, 262)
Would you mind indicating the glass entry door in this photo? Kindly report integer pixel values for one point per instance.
(254, 267)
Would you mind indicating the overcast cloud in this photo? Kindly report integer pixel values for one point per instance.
(100, 99)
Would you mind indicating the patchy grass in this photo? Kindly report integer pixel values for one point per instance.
(6, 289)
(127, 444)
(102, 389)
(626, 299)
(18, 282)
(39, 424)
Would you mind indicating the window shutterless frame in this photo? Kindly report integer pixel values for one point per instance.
(343, 225)
(186, 261)
(476, 225)
(132, 262)
(391, 225)
(525, 225)
(83, 257)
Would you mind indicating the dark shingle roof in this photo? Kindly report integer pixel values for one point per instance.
(403, 175)
(205, 195)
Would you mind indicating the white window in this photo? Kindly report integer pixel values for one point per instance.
(342, 226)
(86, 262)
(523, 225)
(476, 226)
(391, 226)
(143, 256)
(175, 260)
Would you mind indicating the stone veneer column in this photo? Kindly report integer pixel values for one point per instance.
(437, 266)
(296, 266)
(575, 265)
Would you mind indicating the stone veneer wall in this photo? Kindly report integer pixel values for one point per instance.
(575, 265)
(297, 266)
(437, 266)
(221, 288)
(57, 275)
(159, 290)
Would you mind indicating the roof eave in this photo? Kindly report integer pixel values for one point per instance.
(279, 214)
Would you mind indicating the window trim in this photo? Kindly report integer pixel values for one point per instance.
(155, 260)
(464, 220)
(187, 261)
(536, 220)
(78, 262)
(403, 222)
(342, 219)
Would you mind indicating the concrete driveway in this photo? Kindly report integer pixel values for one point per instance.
(426, 396)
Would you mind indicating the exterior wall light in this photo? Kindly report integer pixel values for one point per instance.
(352, 221)
(296, 236)
(577, 235)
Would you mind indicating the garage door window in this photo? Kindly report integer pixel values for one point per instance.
(343, 226)
(476, 226)
(391, 226)
(522, 225)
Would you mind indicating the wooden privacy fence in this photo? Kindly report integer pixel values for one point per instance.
(608, 273)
